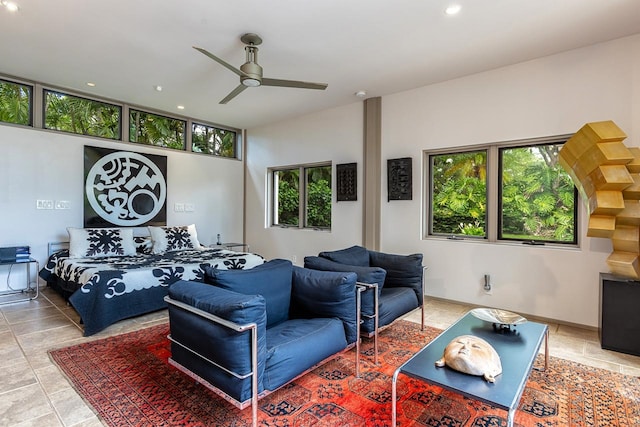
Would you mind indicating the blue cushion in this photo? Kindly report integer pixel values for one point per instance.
(325, 294)
(299, 344)
(215, 342)
(355, 255)
(272, 280)
(394, 303)
(365, 274)
(402, 270)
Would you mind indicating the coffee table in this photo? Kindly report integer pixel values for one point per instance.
(517, 348)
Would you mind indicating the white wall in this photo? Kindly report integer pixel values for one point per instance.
(332, 135)
(36, 164)
(549, 96)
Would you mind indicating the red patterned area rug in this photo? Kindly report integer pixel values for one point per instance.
(128, 382)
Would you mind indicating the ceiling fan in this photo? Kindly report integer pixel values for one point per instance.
(251, 72)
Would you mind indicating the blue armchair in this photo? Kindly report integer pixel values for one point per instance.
(394, 283)
(247, 333)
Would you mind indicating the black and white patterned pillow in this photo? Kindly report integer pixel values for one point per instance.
(100, 242)
(143, 244)
(167, 239)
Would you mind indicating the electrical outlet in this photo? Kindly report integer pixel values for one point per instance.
(63, 204)
(294, 259)
(486, 286)
(178, 207)
(44, 204)
(189, 207)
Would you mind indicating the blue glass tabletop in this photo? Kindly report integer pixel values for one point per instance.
(517, 348)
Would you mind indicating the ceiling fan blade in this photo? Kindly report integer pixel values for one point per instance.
(233, 93)
(221, 61)
(293, 83)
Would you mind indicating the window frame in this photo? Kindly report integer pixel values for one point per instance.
(37, 122)
(493, 191)
(303, 195)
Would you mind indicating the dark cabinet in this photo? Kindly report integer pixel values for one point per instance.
(619, 316)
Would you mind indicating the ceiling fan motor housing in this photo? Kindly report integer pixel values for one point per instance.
(253, 73)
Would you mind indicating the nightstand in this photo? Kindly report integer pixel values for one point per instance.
(29, 291)
(232, 245)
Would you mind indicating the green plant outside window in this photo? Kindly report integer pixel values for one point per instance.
(287, 197)
(538, 198)
(210, 140)
(318, 197)
(15, 103)
(73, 114)
(153, 129)
(459, 193)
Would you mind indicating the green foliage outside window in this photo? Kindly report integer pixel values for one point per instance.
(459, 193)
(319, 197)
(538, 196)
(15, 103)
(211, 140)
(82, 116)
(288, 196)
(152, 129)
(316, 193)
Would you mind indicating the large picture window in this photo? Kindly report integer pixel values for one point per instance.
(502, 192)
(302, 196)
(73, 114)
(15, 103)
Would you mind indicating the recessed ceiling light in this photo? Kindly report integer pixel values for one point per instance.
(11, 7)
(361, 93)
(158, 88)
(453, 9)
(180, 107)
(91, 84)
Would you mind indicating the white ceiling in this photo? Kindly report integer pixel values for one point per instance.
(127, 47)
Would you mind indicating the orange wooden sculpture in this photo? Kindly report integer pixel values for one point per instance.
(607, 175)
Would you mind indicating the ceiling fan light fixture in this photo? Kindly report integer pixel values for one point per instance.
(250, 82)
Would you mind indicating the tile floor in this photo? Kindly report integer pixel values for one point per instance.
(33, 392)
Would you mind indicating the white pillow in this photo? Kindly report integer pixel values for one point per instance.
(100, 242)
(167, 239)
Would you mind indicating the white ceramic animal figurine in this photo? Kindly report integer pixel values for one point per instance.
(472, 355)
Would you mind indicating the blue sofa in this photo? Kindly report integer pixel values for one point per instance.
(246, 333)
(394, 283)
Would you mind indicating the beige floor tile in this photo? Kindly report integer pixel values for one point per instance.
(70, 407)
(48, 420)
(52, 379)
(586, 334)
(16, 376)
(40, 324)
(10, 350)
(23, 404)
(27, 305)
(43, 340)
(31, 314)
(594, 350)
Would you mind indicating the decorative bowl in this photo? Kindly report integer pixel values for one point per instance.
(501, 317)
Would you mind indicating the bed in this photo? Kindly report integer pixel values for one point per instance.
(106, 289)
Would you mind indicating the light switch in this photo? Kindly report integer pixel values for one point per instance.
(178, 207)
(189, 207)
